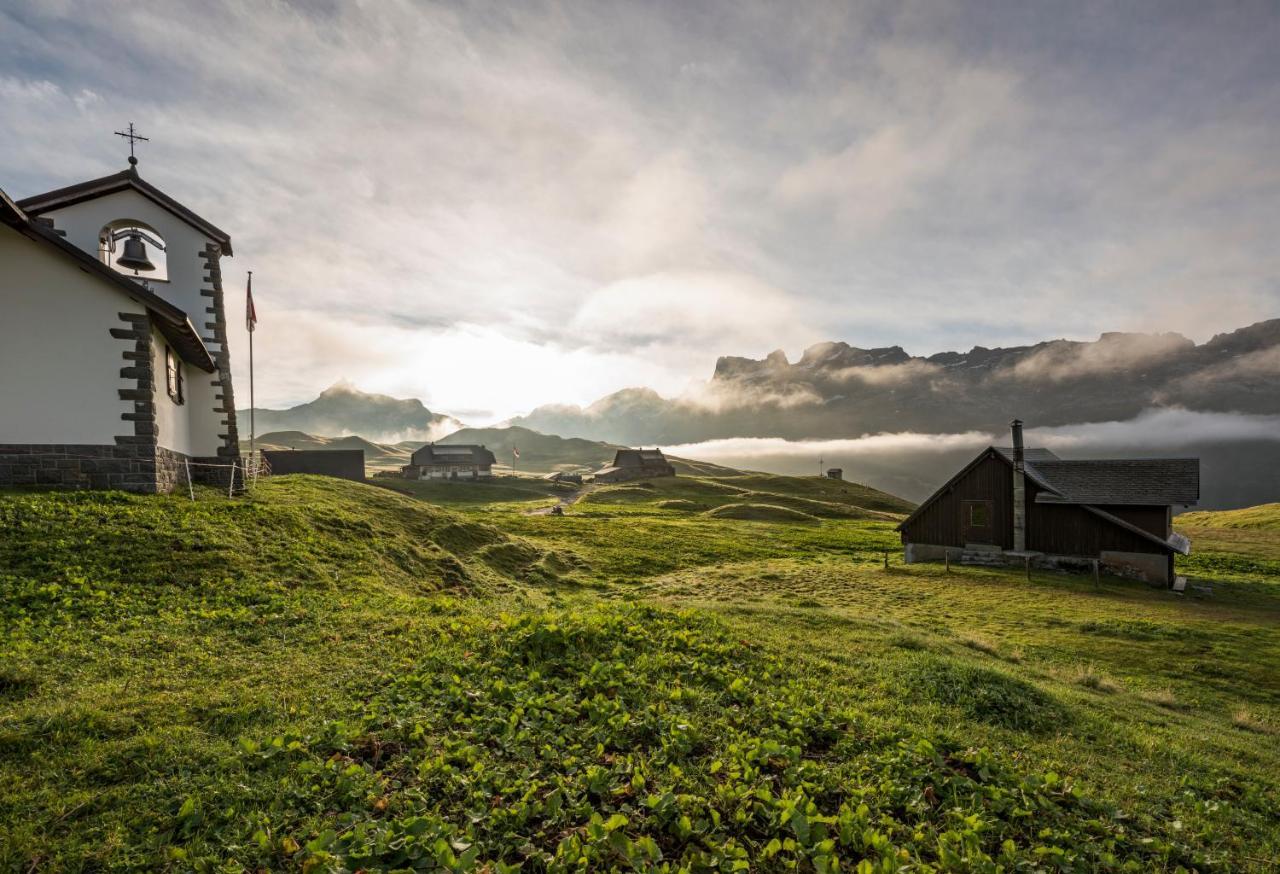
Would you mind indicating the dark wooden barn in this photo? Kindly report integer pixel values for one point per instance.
(1014, 505)
(631, 464)
(341, 463)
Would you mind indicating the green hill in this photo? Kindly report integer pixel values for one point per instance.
(546, 453)
(539, 453)
(1264, 517)
(377, 456)
(332, 676)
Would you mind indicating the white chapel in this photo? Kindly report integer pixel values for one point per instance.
(114, 366)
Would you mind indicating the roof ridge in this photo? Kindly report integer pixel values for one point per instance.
(69, 195)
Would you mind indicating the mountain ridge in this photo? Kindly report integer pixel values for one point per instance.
(836, 390)
(342, 410)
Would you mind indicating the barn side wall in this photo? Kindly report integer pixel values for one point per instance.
(939, 523)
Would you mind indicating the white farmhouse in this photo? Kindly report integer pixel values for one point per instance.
(114, 368)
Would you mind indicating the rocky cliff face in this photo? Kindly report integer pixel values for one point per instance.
(838, 390)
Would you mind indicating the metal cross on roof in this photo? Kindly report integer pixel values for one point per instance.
(132, 138)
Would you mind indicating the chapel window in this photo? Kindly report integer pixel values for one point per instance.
(173, 374)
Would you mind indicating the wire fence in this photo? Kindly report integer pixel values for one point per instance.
(235, 477)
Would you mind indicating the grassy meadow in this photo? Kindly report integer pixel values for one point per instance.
(700, 674)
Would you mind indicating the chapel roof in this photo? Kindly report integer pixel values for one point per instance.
(170, 320)
(122, 181)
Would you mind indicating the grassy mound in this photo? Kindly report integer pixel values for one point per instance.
(628, 494)
(295, 530)
(624, 737)
(984, 694)
(822, 489)
(760, 513)
(681, 504)
(1264, 517)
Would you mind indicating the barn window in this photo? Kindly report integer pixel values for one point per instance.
(173, 374)
(978, 515)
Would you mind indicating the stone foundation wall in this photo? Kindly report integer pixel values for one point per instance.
(1149, 567)
(129, 467)
(137, 468)
(917, 552)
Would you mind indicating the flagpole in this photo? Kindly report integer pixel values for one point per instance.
(253, 431)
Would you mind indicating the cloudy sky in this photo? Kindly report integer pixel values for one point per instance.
(493, 206)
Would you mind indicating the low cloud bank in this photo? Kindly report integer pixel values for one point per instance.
(1160, 429)
(871, 444)
(1239, 453)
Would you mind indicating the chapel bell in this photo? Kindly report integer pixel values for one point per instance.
(135, 254)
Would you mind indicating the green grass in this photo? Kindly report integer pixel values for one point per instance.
(331, 676)
(1264, 517)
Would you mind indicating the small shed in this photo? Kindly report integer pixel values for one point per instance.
(340, 463)
(629, 464)
(835, 473)
(1020, 505)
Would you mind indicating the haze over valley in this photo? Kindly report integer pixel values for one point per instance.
(899, 422)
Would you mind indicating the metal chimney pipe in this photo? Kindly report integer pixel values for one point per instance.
(1019, 489)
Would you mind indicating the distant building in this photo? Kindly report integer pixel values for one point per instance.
(561, 476)
(1017, 505)
(835, 473)
(629, 464)
(341, 463)
(461, 461)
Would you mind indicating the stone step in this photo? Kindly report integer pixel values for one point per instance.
(986, 559)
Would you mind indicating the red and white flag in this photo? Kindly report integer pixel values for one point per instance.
(250, 314)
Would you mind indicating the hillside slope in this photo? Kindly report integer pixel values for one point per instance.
(377, 456)
(1264, 517)
(329, 676)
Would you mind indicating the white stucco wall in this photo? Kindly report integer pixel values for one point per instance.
(183, 245)
(172, 419)
(191, 427)
(82, 223)
(59, 365)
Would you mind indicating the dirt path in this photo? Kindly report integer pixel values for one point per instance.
(565, 502)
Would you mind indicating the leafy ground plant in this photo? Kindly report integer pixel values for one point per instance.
(633, 738)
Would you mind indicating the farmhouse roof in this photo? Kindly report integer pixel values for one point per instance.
(1149, 481)
(453, 453)
(638, 457)
(171, 321)
(123, 181)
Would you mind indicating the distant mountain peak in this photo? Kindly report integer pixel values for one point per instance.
(343, 410)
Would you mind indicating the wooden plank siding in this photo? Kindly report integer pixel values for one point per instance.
(940, 522)
(1067, 529)
(1157, 520)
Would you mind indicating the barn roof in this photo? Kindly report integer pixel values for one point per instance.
(453, 453)
(638, 457)
(1150, 481)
